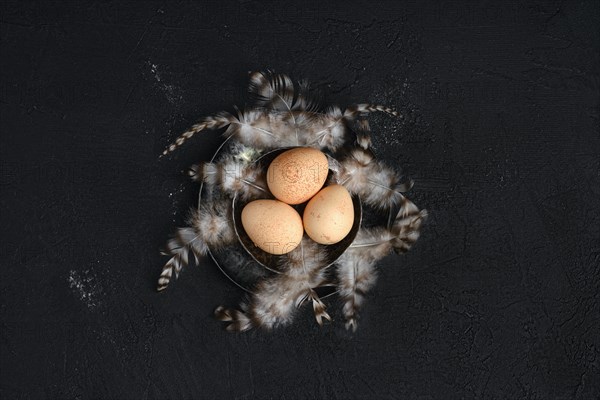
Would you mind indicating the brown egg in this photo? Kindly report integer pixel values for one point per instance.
(272, 225)
(329, 216)
(296, 175)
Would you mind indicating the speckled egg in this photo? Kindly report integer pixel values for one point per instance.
(329, 215)
(272, 225)
(297, 174)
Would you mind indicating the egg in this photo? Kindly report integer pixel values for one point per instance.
(272, 225)
(329, 215)
(297, 174)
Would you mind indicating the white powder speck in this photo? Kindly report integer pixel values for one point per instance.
(176, 200)
(171, 92)
(389, 131)
(154, 69)
(86, 287)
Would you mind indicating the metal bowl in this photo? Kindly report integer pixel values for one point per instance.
(273, 262)
(245, 264)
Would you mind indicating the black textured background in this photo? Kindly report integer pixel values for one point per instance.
(498, 300)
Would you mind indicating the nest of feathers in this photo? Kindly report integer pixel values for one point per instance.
(287, 114)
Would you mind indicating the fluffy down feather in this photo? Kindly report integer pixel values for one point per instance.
(356, 272)
(178, 247)
(213, 224)
(274, 301)
(232, 176)
(407, 226)
(375, 183)
(356, 276)
(356, 267)
(273, 91)
(210, 226)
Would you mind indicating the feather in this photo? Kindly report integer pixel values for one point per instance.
(327, 131)
(372, 244)
(242, 153)
(307, 99)
(274, 301)
(238, 321)
(407, 225)
(252, 128)
(334, 166)
(356, 267)
(356, 276)
(196, 173)
(318, 307)
(307, 258)
(178, 247)
(363, 133)
(236, 153)
(375, 243)
(232, 176)
(264, 130)
(276, 93)
(218, 121)
(272, 304)
(213, 224)
(272, 91)
(210, 226)
(375, 183)
(260, 129)
(356, 110)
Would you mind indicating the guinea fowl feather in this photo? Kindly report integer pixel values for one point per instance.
(253, 128)
(308, 99)
(210, 226)
(375, 183)
(356, 276)
(178, 247)
(407, 226)
(232, 176)
(272, 91)
(328, 131)
(274, 301)
(218, 121)
(363, 133)
(356, 267)
(213, 224)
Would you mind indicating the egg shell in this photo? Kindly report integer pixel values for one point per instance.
(297, 174)
(272, 225)
(329, 215)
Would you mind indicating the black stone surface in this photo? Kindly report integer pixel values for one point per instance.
(498, 300)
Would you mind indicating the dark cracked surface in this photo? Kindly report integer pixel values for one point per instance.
(498, 300)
